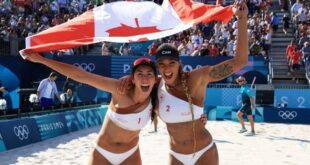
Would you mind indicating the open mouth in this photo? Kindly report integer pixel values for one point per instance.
(168, 75)
(145, 88)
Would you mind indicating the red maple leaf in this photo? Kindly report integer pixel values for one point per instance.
(125, 30)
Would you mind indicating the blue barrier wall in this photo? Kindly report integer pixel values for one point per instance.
(223, 97)
(94, 64)
(262, 114)
(51, 125)
(10, 78)
(77, 120)
(287, 115)
(20, 132)
(121, 66)
(16, 76)
(294, 98)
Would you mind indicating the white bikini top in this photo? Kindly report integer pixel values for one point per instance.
(173, 109)
(132, 121)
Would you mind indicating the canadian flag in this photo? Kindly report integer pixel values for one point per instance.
(127, 22)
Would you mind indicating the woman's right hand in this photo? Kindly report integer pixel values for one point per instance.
(31, 56)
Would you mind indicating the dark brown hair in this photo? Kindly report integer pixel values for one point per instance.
(153, 93)
(53, 74)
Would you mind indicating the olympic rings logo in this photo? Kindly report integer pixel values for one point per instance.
(87, 67)
(21, 132)
(287, 114)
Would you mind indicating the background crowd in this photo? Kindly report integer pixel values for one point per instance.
(22, 18)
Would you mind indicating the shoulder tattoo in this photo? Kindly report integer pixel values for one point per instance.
(221, 71)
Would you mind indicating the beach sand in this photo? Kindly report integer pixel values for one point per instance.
(274, 144)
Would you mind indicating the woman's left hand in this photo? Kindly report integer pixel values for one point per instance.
(240, 9)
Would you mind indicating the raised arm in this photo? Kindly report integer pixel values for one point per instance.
(224, 69)
(75, 73)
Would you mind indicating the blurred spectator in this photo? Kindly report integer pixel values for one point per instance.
(2, 90)
(224, 51)
(105, 49)
(54, 7)
(289, 50)
(224, 34)
(65, 52)
(230, 46)
(63, 6)
(189, 47)
(216, 35)
(2, 100)
(69, 83)
(152, 49)
(204, 50)
(125, 50)
(5, 6)
(67, 97)
(275, 21)
(264, 6)
(214, 51)
(256, 4)
(182, 48)
(294, 9)
(301, 16)
(255, 48)
(286, 23)
(207, 29)
(295, 62)
(306, 50)
(304, 38)
(266, 40)
(283, 4)
(47, 89)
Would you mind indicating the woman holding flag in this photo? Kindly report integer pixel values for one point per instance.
(127, 114)
(180, 94)
(181, 97)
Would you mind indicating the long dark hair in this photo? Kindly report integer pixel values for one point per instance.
(153, 93)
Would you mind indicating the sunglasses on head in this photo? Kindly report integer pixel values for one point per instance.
(141, 60)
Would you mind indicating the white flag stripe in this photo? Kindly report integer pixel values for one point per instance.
(112, 15)
(151, 36)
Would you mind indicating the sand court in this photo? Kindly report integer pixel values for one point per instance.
(274, 144)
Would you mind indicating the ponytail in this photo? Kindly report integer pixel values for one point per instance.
(184, 81)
